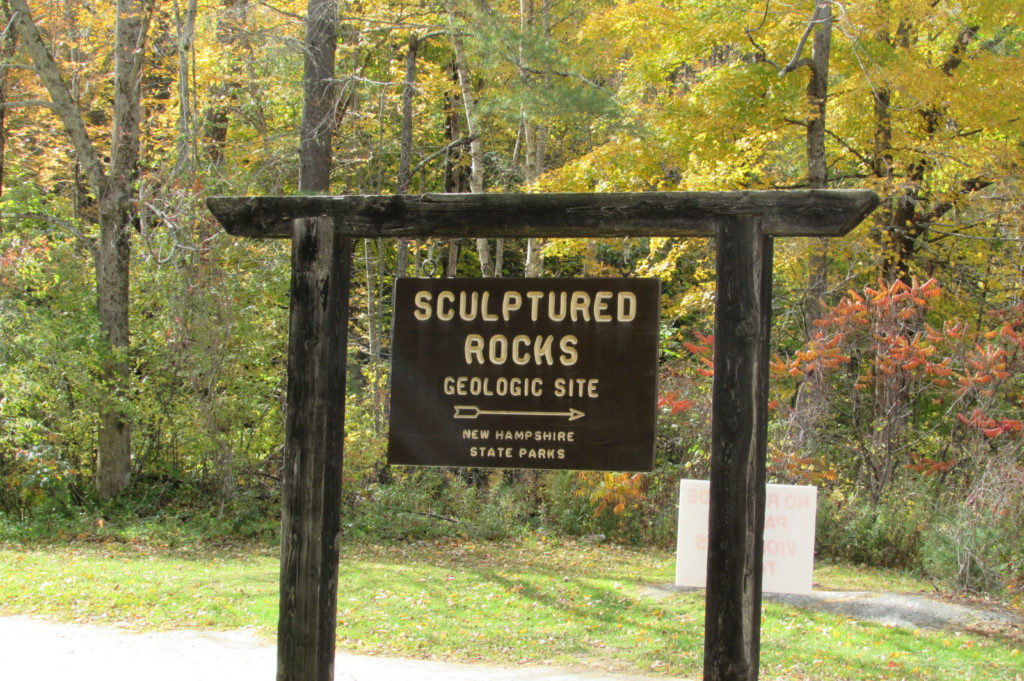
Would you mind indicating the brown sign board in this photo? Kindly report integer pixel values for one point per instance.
(525, 373)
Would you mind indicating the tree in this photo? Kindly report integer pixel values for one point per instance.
(820, 25)
(113, 184)
(534, 132)
(489, 267)
(809, 409)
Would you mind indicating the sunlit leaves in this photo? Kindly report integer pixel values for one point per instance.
(959, 382)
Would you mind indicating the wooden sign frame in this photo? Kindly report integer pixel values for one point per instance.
(744, 225)
(556, 374)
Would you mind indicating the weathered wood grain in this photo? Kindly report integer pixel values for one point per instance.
(314, 436)
(831, 212)
(739, 434)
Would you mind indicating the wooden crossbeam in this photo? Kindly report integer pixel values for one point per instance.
(826, 212)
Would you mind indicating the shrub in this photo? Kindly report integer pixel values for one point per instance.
(36, 481)
(436, 503)
(886, 534)
(975, 543)
(620, 507)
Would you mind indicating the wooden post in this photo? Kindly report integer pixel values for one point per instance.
(314, 437)
(739, 433)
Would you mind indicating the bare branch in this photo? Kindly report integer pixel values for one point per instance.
(794, 65)
(561, 74)
(846, 145)
(762, 54)
(975, 237)
(796, 62)
(440, 152)
(277, 10)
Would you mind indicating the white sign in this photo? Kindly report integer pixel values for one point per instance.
(789, 522)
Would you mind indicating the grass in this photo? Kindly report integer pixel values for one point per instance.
(533, 601)
(828, 576)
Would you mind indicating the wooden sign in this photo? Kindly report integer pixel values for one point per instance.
(525, 373)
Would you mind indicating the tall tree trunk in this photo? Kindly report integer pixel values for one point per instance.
(535, 141)
(534, 134)
(408, 93)
(217, 116)
(488, 265)
(113, 467)
(405, 153)
(912, 209)
(908, 214)
(809, 409)
(817, 163)
(452, 267)
(113, 186)
(318, 120)
(315, 425)
(454, 172)
(476, 148)
(229, 89)
(113, 462)
(185, 25)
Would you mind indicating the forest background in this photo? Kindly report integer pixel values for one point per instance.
(143, 354)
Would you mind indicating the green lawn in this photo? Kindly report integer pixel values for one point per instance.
(531, 601)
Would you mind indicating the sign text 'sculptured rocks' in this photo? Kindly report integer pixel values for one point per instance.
(525, 373)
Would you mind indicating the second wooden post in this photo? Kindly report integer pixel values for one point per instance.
(739, 432)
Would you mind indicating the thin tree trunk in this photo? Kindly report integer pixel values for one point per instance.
(476, 153)
(452, 268)
(476, 148)
(817, 165)
(229, 88)
(230, 20)
(483, 252)
(185, 26)
(534, 135)
(408, 93)
(808, 406)
(405, 155)
(453, 171)
(534, 166)
(373, 316)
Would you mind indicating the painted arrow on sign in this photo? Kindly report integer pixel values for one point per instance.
(472, 412)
